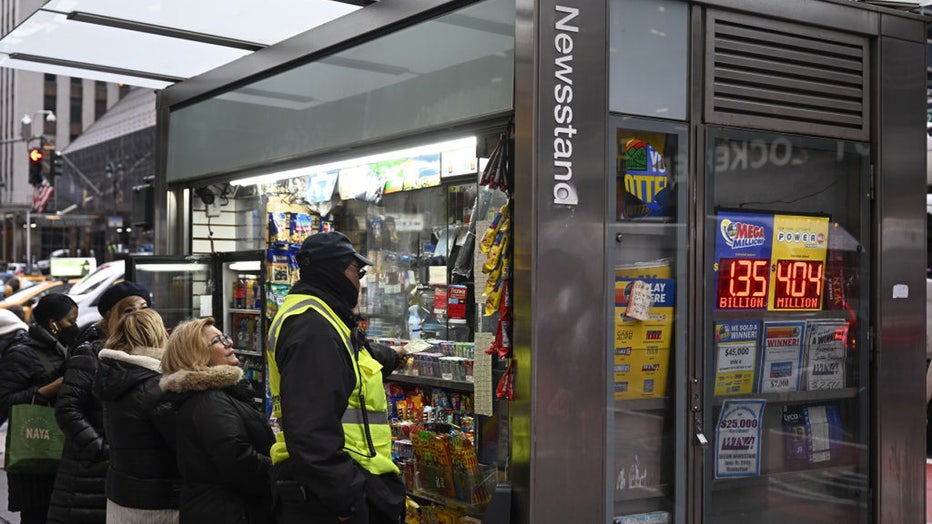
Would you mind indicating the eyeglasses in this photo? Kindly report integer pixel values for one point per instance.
(223, 340)
(360, 270)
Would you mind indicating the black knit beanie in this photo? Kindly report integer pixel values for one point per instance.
(52, 307)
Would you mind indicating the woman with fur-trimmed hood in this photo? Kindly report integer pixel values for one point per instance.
(142, 481)
(223, 441)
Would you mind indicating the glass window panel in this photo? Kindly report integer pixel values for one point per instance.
(177, 285)
(647, 58)
(648, 312)
(786, 384)
(450, 69)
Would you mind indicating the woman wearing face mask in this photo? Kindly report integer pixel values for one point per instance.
(31, 373)
(79, 496)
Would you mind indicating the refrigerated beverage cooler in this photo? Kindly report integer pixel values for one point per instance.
(226, 286)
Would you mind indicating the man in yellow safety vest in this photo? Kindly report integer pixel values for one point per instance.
(331, 461)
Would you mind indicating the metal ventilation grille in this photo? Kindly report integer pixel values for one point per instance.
(786, 77)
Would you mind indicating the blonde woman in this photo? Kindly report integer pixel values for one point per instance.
(142, 481)
(223, 442)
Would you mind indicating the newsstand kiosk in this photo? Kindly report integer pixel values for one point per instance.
(715, 222)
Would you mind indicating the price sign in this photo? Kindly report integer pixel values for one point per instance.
(798, 284)
(743, 283)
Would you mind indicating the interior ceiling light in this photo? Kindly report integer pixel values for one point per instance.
(450, 145)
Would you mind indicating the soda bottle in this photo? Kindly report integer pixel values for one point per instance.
(240, 298)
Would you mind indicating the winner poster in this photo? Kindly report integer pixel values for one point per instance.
(782, 351)
(736, 351)
(826, 341)
(738, 446)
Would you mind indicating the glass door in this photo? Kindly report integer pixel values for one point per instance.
(238, 309)
(648, 273)
(785, 344)
(179, 285)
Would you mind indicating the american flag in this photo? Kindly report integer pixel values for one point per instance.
(41, 195)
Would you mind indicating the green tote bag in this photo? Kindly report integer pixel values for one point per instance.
(33, 440)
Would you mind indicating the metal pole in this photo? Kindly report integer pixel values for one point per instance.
(29, 241)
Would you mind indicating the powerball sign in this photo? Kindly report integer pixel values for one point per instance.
(798, 263)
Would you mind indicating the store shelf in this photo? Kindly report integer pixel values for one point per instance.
(824, 473)
(640, 493)
(245, 311)
(458, 385)
(247, 352)
(423, 497)
(659, 227)
(764, 314)
(795, 396)
(642, 404)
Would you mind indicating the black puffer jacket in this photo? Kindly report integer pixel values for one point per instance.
(78, 497)
(21, 376)
(223, 448)
(140, 426)
(8, 340)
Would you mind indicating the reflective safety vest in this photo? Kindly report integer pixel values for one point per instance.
(366, 433)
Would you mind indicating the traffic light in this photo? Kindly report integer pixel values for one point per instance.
(36, 156)
(55, 166)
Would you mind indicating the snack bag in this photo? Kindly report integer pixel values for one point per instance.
(278, 227)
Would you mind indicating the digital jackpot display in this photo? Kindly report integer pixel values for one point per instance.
(772, 262)
(743, 283)
(797, 284)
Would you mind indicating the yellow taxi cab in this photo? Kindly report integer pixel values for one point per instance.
(27, 297)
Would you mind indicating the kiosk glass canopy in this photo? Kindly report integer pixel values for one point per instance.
(454, 68)
(154, 43)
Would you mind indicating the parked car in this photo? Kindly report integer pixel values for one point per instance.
(17, 268)
(86, 293)
(27, 297)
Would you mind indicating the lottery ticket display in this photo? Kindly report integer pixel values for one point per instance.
(777, 331)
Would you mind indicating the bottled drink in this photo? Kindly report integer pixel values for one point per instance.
(239, 300)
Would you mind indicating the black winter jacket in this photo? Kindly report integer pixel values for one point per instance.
(8, 340)
(140, 427)
(21, 375)
(223, 448)
(78, 497)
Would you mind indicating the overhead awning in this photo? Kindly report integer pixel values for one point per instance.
(155, 43)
